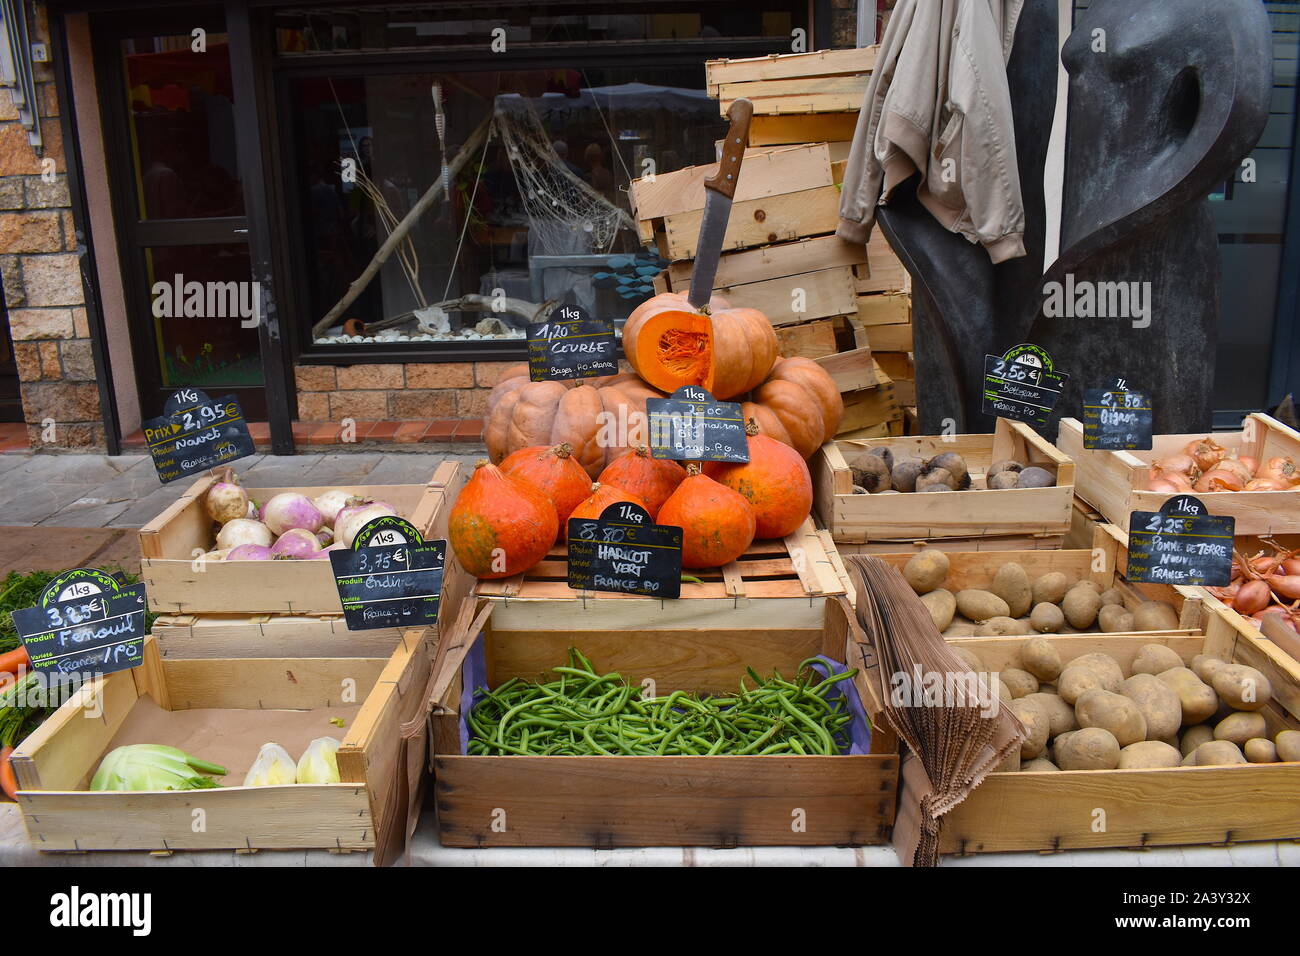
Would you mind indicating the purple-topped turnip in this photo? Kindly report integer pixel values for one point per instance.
(243, 531)
(290, 510)
(225, 501)
(250, 552)
(296, 543)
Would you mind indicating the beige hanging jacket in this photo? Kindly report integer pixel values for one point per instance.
(938, 103)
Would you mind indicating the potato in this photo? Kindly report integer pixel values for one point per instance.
(1020, 683)
(1002, 481)
(1260, 750)
(904, 472)
(1113, 619)
(1011, 583)
(1205, 666)
(1193, 737)
(1288, 746)
(1241, 687)
(1050, 588)
(1157, 702)
(960, 629)
(1218, 753)
(981, 605)
(1092, 586)
(1081, 605)
(1047, 618)
(1198, 700)
(1089, 749)
(926, 570)
(1040, 764)
(970, 657)
(1240, 727)
(1147, 755)
(1086, 672)
(869, 471)
(1113, 712)
(1155, 659)
(1189, 760)
(942, 605)
(1155, 616)
(1060, 715)
(1036, 722)
(1035, 477)
(1039, 656)
(1002, 627)
(1112, 596)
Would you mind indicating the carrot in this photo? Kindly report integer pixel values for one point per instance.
(8, 781)
(6, 679)
(10, 661)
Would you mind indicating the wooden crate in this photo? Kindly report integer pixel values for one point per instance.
(869, 407)
(268, 635)
(787, 66)
(1058, 810)
(802, 128)
(177, 585)
(1084, 522)
(381, 762)
(1113, 481)
(898, 366)
(780, 580)
(976, 513)
(617, 801)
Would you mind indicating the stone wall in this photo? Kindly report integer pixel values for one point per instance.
(396, 392)
(39, 267)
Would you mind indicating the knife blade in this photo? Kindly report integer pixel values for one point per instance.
(718, 193)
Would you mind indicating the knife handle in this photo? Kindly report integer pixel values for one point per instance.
(733, 149)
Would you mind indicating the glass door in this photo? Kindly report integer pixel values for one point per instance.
(170, 128)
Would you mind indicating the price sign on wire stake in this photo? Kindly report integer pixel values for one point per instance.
(1116, 418)
(86, 622)
(1182, 543)
(392, 577)
(625, 551)
(1022, 385)
(571, 344)
(692, 425)
(195, 433)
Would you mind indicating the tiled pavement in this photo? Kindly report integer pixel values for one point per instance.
(365, 434)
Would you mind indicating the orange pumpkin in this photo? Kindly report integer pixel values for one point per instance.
(775, 480)
(799, 404)
(723, 349)
(598, 418)
(717, 523)
(555, 473)
(601, 497)
(648, 478)
(500, 525)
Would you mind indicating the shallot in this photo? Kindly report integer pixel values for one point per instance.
(243, 531)
(1252, 597)
(290, 510)
(296, 543)
(1285, 585)
(250, 552)
(225, 501)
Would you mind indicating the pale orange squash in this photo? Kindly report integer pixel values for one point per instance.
(799, 404)
(554, 472)
(500, 525)
(775, 481)
(717, 523)
(598, 418)
(601, 497)
(723, 349)
(648, 478)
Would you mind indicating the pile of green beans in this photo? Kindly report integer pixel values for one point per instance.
(582, 713)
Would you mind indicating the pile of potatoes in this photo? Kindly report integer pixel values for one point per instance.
(1014, 605)
(1087, 715)
(878, 471)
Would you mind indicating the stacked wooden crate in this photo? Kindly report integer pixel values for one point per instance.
(844, 304)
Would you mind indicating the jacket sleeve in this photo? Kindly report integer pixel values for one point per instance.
(863, 173)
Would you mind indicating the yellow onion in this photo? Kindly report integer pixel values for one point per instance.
(1175, 479)
(1206, 452)
(1282, 468)
(1266, 484)
(1180, 463)
(1236, 466)
(1219, 480)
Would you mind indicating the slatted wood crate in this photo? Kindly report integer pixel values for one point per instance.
(382, 760)
(177, 584)
(613, 801)
(1058, 810)
(977, 519)
(779, 580)
(1114, 482)
(269, 635)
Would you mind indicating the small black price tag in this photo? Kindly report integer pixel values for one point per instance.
(1180, 544)
(85, 623)
(1022, 385)
(624, 551)
(392, 577)
(1116, 418)
(195, 433)
(571, 344)
(692, 425)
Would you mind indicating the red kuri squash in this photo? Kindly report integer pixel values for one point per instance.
(799, 404)
(717, 523)
(648, 478)
(775, 480)
(500, 525)
(555, 473)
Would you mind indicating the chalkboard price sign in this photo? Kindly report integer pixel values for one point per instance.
(571, 344)
(1022, 385)
(624, 551)
(85, 623)
(392, 577)
(195, 433)
(1182, 543)
(1117, 418)
(692, 425)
